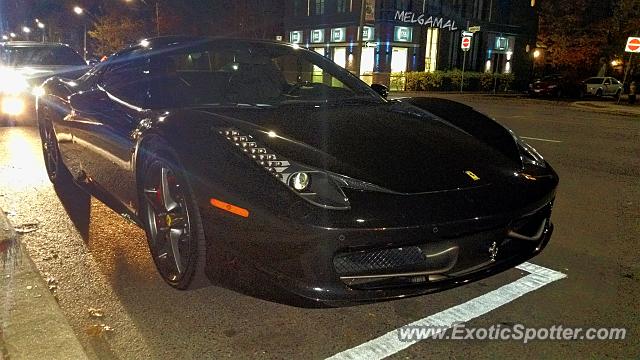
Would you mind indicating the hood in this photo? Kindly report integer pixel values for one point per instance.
(392, 145)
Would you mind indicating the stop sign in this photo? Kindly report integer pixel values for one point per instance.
(633, 45)
(466, 43)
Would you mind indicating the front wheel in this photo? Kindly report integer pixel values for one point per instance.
(172, 222)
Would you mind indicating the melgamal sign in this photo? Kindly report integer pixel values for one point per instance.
(410, 17)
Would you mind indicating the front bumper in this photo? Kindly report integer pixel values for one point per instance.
(304, 265)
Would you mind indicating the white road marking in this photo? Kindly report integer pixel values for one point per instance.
(539, 139)
(389, 343)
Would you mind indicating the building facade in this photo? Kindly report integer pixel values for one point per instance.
(398, 36)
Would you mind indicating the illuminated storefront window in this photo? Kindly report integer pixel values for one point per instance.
(338, 34)
(502, 43)
(367, 62)
(340, 58)
(318, 74)
(431, 52)
(398, 65)
(295, 37)
(402, 34)
(317, 36)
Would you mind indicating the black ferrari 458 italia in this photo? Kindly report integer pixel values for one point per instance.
(267, 168)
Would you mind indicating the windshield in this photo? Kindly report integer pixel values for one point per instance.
(39, 56)
(262, 75)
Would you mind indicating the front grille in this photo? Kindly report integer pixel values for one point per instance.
(404, 259)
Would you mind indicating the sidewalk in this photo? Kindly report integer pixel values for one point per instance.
(610, 107)
(32, 324)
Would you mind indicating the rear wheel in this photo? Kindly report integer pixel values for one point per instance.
(172, 222)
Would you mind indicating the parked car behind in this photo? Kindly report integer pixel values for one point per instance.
(24, 65)
(551, 85)
(601, 86)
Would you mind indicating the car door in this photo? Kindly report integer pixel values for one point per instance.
(106, 117)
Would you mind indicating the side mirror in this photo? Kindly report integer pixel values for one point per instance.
(381, 90)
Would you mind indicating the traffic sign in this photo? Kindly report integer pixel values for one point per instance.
(633, 45)
(474, 29)
(466, 33)
(466, 43)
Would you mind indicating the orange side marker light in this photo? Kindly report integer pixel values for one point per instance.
(230, 208)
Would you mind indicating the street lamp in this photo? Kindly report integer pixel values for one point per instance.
(80, 11)
(27, 31)
(536, 54)
(41, 26)
(5, 37)
(12, 35)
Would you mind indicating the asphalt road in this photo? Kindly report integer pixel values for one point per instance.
(100, 261)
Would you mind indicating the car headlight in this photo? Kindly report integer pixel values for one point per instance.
(13, 83)
(319, 187)
(313, 185)
(12, 106)
(528, 154)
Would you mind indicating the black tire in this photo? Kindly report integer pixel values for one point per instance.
(599, 93)
(160, 169)
(617, 95)
(56, 170)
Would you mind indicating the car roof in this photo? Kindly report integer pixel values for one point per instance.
(175, 42)
(31, 44)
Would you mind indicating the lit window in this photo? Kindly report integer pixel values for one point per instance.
(431, 53)
(341, 6)
(319, 7)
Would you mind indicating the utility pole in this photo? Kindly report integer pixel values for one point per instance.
(360, 39)
(158, 18)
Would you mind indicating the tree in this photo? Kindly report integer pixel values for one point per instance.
(579, 34)
(113, 32)
(574, 37)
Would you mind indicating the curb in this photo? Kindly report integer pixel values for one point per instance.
(615, 109)
(439, 93)
(32, 325)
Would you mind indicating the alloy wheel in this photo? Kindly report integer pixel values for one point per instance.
(168, 222)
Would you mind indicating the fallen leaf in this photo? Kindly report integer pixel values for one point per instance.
(96, 313)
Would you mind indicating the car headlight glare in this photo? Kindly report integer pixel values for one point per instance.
(38, 91)
(315, 186)
(12, 106)
(13, 83)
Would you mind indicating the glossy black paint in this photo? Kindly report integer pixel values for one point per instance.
(418, 149)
